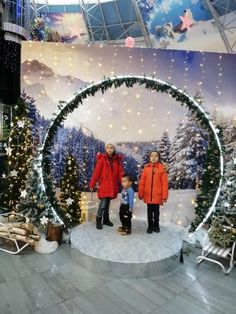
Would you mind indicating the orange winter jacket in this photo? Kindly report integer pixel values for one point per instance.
(153, 184)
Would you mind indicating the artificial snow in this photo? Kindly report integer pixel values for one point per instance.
(139, 247)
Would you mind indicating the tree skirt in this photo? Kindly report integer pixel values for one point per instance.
(107, 244)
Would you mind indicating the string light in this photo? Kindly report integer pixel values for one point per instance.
(202, 79)
(218, 88)
(186, 70)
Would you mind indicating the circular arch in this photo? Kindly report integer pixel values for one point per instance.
(150, 83)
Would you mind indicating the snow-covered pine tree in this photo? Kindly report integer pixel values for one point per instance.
(131, 168)
(70, 192)
(80, 157)
(229, 133)
(227, 201)
(58, 157)
(91, 159)
(187, 154)
(164, 147)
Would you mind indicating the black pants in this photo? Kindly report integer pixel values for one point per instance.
(103, 208)
(153, 214)
(125, 216)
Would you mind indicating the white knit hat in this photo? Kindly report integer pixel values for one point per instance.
(111, 143)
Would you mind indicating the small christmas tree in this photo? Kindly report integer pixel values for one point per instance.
(33, 202)
(70, 192)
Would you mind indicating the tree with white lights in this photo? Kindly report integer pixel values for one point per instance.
(19, 154)
(70, 192)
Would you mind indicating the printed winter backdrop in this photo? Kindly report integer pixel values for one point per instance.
(136, 119)
(187, 24)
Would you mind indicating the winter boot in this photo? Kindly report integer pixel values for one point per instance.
(121, 229)
(150, 228)
(156, 228)
(99, 223)
(106, 220)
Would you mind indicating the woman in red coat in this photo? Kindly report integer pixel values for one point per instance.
(107, 173)
(153, 189)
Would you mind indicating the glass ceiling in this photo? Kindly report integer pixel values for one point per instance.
(66, 2)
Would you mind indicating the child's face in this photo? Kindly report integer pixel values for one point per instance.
(154, 158)
(110, 149)
(125, 182)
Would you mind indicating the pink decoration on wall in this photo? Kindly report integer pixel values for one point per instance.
(129, 42)
(186, 22)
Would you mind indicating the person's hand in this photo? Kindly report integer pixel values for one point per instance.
(164, 201)
(91, 189)
(166, 167)
(131, 210)
(140, 197)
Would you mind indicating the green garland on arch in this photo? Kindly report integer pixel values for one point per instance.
(211, 180)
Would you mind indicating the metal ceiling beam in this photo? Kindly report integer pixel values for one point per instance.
(222, 27)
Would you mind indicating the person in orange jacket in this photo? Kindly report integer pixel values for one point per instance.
(153, 189)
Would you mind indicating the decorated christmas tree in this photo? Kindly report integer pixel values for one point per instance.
(33, 203)
(70, 192)
(209, 181)
(19, 154)
(223, 221)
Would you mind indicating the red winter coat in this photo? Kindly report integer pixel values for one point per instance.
(108, 179)
(153, 184)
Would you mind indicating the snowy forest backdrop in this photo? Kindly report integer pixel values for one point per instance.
(137, 120)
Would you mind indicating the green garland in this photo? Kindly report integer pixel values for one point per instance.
(129, 81)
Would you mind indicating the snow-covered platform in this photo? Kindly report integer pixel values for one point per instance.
(136, 255)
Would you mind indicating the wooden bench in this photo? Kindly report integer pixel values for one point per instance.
(224, 253)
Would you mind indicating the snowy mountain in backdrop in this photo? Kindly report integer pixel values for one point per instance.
(54, 87)
(137, 149)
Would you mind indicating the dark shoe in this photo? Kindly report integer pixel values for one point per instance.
(156, 228)
(150, 228)
(126, 232)
(106, 221)
(121, 229)
(99, 223)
